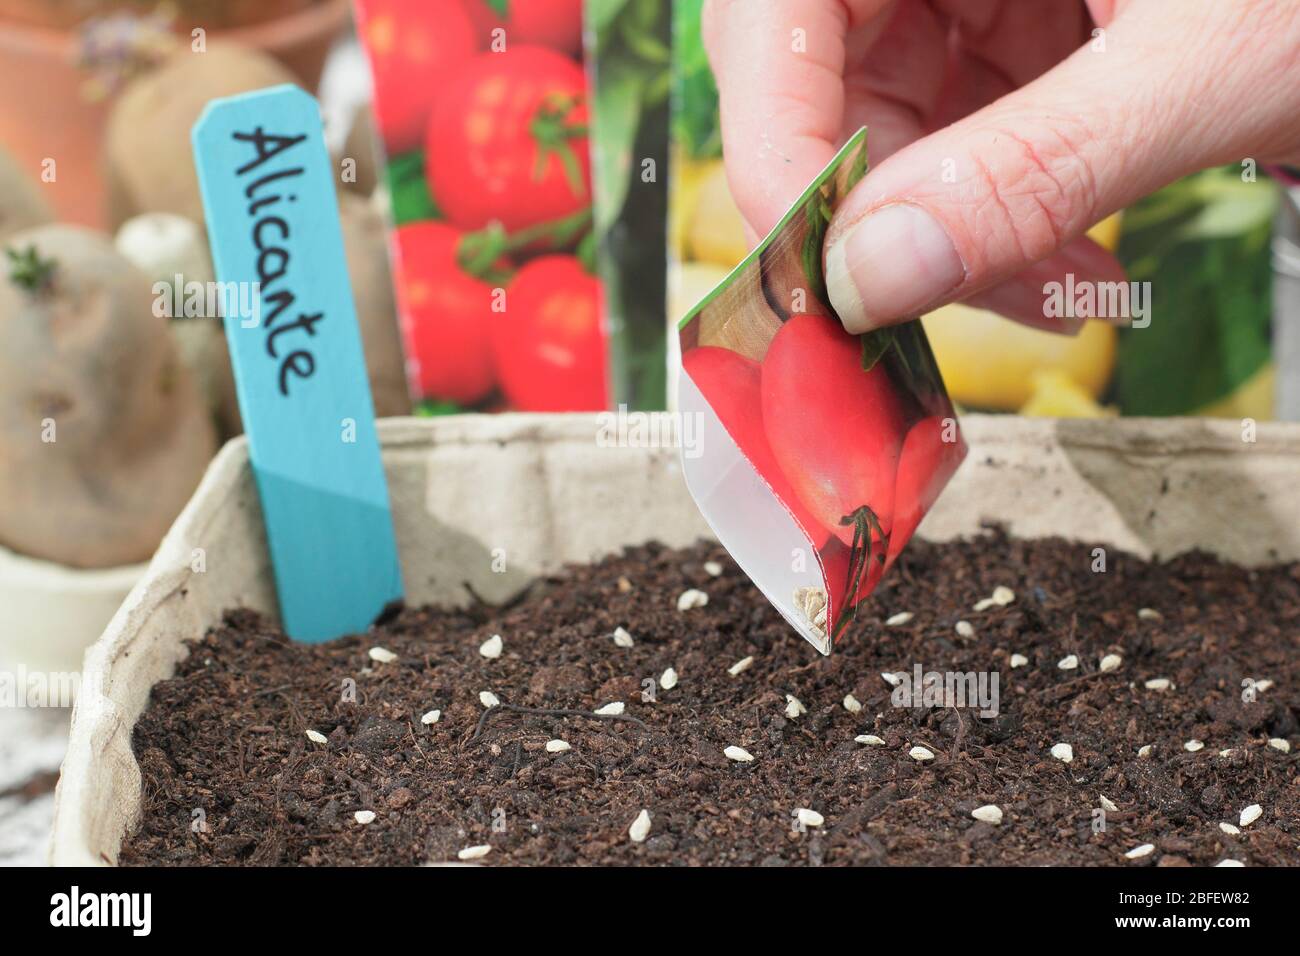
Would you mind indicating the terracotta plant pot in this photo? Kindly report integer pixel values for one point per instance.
(63, 124)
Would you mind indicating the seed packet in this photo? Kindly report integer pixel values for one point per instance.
(483, 110)
(819, 452)
(525, 176)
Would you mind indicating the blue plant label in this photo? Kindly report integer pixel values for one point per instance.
(300, 372)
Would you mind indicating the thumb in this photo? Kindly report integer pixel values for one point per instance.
(1011, 185)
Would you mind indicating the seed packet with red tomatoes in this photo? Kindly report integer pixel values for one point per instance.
(482, 109)
(819, 451)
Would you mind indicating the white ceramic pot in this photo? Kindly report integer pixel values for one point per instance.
(542, 491)
(50, 614)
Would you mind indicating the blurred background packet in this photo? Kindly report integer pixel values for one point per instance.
(529, 270)
(539, 168)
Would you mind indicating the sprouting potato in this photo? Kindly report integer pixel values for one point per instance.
(148, 134)
(102, 434)
(172, 250)
(21, 203)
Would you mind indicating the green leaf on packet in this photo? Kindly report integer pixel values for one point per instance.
(602, 13)
(874, 346)
(409, 190)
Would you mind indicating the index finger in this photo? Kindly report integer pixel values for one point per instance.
(779, 67)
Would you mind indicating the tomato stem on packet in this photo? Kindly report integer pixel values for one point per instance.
(479, 252)
(866, 526)
(552, 131)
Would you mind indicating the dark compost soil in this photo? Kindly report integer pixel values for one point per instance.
(227, 734)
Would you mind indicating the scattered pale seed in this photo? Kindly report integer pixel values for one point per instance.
(738, 754)
(1018, 660)
(744, 664)
(871, 740)
(431, 717)
(854, 706)
(1230, 863)
(1003, 595)
(557, 746)
(1263, 685)
(713, 569)
(1149, 614)
(794, 707)
(1226, 753)
(364, 816)
(624, 585)
(1251, 814)
(1158, 683)
(1144, 750)
(984, 604)
(382, 655)
(691, 599)
(1192, 746)
(640, 828)
(487, 698)
(1146, 849)
(474, 852)
(316, 737)
(1278, 743)
(1110, 663)
(1068, 663)
(491, 648)
(1107, 804)
(1063, 752)
(921, 753)
(964, 629)
(989, 813)
(899, 619)
(893, 680)
(668, 679)
(1229, 829)
(809, 818)
(622, 638)
(610, 710)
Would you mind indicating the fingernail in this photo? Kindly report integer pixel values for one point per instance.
(892, 264)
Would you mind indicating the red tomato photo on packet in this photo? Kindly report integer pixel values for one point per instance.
(482, 108)
(836, 444)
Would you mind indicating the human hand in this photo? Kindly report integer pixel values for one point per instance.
(999, 130)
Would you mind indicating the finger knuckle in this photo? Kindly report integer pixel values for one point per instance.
(1039, 186)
